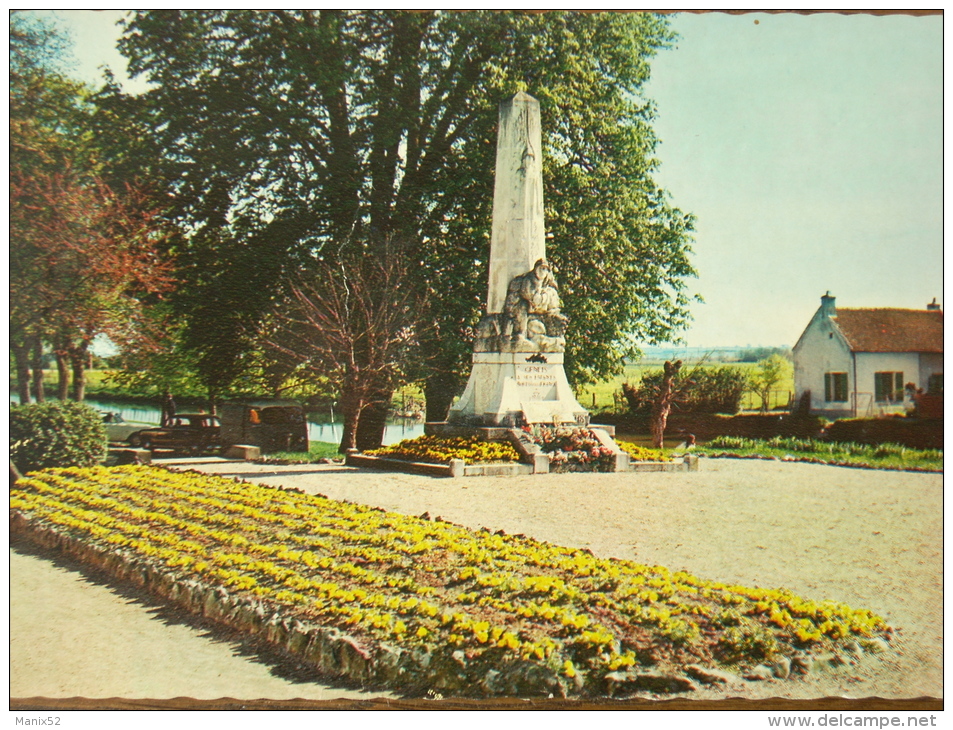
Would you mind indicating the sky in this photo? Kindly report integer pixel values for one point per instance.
(809, 148)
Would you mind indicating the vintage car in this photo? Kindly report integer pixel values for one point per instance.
(271, 424)
(188, 433)
(118, 429)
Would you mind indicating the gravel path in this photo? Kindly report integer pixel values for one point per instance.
(871, 539)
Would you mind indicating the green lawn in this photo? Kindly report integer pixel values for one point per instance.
(317, 450)
(882, 456)
(51, 378)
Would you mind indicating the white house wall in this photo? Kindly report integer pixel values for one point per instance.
(821, 350)
(869, 363)
(930, 363)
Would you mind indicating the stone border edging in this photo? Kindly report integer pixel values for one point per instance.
(458, 468)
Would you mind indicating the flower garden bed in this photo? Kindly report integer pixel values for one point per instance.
(441, 450)
(540, 449)
(414, 605)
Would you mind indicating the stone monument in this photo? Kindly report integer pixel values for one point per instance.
(518, 377)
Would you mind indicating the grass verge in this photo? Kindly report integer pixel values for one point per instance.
(882, 456)
(317, 451)
(467, 608)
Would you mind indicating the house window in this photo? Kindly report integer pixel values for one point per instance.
(835, 387)
(888, 387)
(935, 384)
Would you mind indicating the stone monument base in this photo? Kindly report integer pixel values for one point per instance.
(514, 389)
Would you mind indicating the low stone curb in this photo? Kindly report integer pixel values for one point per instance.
(688, 463)
(458, 468)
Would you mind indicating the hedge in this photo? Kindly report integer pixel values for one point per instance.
(56, 434)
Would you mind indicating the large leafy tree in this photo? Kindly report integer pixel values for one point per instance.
(81, 252)
(286, 137)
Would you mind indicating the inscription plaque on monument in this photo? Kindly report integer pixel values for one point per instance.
(537, 382)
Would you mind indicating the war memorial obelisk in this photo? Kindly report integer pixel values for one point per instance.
(518, 377)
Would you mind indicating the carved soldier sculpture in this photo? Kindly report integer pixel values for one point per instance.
(531, 319)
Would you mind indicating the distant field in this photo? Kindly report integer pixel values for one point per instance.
(604, 395)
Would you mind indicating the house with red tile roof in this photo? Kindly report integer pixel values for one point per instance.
(858, 362)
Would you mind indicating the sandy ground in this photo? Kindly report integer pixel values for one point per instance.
(871, 539)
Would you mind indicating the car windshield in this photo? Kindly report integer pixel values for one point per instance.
(195, 422)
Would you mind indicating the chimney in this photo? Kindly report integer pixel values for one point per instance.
(827, 305)
(933, 306)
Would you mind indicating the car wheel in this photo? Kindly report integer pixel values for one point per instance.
(146, 443)
(135, 440)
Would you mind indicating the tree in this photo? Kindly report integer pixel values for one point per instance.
(662, 403)
(766, 375)
(352, 321)
(80, 252)
(80, 256)
(284, 134)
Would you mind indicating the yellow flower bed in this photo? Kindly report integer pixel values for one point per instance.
(440, 450)
(429, 585)
(641, 453)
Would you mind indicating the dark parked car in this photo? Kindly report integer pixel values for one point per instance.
(189, 433)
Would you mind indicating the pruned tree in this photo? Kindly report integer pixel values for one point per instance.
(662, 403)
(352, 321)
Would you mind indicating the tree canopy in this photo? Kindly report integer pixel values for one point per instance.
(291, 137)
(80, 251)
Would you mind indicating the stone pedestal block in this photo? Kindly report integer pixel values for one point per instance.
(512, 389)
(242, 451)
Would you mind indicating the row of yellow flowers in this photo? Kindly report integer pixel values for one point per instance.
(424, 583)
(440, 450)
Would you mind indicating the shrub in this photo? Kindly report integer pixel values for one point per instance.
(702, 390)
(56, 434)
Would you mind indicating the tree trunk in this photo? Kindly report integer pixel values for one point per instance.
(79, 357)
(62, 371)
(21, 355)
(440, 390)
(212, 402)
(373, 421)
(663, 404)
(351, 406)
(39, 392)
(658, 424)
